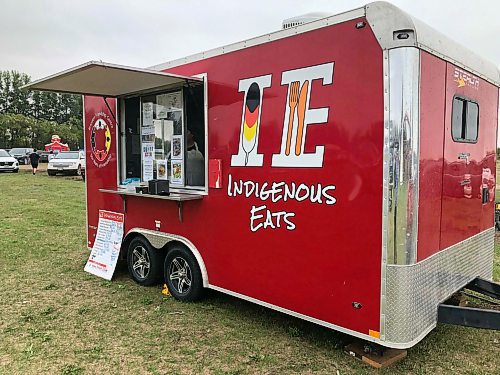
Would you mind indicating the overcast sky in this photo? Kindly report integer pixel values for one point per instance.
(41, 37)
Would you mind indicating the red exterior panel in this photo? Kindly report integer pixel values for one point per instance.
(332, 255)
(100, 160)
(463, 214)
(432, 116)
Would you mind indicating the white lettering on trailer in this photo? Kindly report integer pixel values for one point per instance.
(271, 219)
(261, 217)
(276, 191)
(298, 116)
(249, 132)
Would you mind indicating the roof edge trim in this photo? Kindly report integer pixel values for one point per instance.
(270, 37)
(387, 20)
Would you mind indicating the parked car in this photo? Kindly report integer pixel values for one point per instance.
(66, 162)
(44, 156)
(22, 154)
(8, 163)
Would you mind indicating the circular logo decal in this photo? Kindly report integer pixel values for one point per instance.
(100, 139)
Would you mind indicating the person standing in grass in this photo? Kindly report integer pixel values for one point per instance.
(34, 157)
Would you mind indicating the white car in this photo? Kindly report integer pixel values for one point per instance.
(8, 163)
(66, 162)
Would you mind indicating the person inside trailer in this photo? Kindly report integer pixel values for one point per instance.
(195, 165)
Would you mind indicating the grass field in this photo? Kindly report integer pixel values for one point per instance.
(57, 319)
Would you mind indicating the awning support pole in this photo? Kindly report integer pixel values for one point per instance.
(109, 108)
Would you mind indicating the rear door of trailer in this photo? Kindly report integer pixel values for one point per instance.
(469, 156)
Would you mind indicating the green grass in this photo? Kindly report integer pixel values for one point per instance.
(57, 319)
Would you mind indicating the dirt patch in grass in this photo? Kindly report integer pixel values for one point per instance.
(56, 319)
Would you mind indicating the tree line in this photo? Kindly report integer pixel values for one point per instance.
(30, 118)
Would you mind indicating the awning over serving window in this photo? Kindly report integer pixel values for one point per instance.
(110, 80)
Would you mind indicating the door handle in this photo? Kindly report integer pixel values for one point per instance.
(464, 156)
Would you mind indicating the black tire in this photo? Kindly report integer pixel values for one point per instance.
(78, 171)
(51, 173)
(182, 275)
(144, 262)
(16, 170)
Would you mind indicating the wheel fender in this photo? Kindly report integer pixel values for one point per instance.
(160, 239)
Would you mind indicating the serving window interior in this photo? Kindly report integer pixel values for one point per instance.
(163, 137)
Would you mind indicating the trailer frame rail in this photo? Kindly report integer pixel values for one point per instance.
(477, 317)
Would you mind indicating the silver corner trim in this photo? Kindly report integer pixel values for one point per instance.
(403, 158)
(385, 191)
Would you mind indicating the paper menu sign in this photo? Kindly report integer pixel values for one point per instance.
(161, 106)
(147, 130)
(161, 169)
(147, 170)
(107, 243)
(177, 172)
(147, 114)
(177, 147)
(168, 102)
(148, 150)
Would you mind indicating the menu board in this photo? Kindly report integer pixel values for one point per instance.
(148, 149)
(147, 114)
(106, 250)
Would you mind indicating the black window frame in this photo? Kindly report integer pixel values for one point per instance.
(466, 101)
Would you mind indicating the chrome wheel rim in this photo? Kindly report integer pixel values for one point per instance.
(180, 275)
(141, 263)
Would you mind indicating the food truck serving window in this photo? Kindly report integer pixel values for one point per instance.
(163, 137)
(162, 119)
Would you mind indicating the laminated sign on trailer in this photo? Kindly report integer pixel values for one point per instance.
(341, 170)
(106, 249)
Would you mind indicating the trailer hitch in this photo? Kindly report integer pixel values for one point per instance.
(477, 317)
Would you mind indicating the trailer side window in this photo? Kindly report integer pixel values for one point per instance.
(465, 120)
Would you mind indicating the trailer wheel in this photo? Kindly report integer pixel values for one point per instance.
(144, 262)
(183, 275)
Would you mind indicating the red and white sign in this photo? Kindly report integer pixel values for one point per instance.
(106, 249)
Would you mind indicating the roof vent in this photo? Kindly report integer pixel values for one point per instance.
(305, 18)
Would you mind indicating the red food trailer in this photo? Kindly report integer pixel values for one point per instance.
(341, 170)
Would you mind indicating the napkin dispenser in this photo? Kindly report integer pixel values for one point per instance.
(158, 187)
